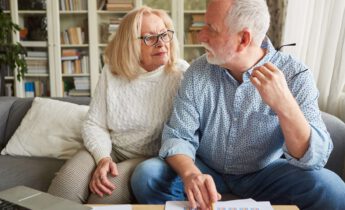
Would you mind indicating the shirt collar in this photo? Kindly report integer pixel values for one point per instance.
(270, 52)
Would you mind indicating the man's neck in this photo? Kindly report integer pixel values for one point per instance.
(245, 62)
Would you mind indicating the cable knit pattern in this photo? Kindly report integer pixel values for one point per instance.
(128, 116)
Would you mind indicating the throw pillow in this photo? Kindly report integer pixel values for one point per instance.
(50, 128)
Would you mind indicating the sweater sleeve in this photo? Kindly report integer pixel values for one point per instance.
(95, 131)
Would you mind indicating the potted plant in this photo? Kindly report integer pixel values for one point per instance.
(11, 54)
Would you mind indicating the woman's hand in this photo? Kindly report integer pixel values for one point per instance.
(100, 183)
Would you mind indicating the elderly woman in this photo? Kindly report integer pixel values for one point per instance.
(132, 100)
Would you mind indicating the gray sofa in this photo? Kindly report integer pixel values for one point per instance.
(38, 172)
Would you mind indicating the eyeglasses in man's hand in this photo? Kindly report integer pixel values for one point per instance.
(151, 40)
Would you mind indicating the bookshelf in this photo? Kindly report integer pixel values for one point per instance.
(72, 47)
(193, 21)
(33, 18)
(69, 48)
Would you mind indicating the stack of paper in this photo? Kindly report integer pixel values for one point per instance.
(247, 204)
(113, 207)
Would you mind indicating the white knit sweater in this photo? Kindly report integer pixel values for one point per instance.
(129, 115)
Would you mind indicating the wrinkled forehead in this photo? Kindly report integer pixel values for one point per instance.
(152, 24)
(217, 11)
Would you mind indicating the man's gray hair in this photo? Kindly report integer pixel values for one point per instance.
(251, 14)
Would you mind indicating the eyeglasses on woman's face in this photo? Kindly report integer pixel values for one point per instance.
(151, 40)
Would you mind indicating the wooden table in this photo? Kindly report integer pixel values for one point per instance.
(161, 207)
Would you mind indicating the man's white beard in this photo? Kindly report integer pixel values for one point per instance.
(214, 59)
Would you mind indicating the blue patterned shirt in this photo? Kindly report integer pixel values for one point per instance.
(227, 125)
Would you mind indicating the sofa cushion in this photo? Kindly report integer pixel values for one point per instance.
(50, 128)
(22, 105)
(32, 172)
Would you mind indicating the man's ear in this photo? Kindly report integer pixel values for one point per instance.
(245, 39)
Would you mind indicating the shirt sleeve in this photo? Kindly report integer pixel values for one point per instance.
(320, 143)
(180, 133)
(95, 132)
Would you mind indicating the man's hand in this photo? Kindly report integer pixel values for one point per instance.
(274, 91)
(200, 189)
(100, 183)
(272, 86)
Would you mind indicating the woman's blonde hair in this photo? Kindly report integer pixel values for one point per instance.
(123, 52)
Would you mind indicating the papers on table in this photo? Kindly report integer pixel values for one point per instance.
(113, 207)
(247, 204)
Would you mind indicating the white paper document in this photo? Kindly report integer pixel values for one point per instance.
(113, 207)
(243, 204)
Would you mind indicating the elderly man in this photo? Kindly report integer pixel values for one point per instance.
(245, 121)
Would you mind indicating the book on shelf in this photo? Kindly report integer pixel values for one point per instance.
(191, 37)
(198, 18)
(69, 5)
(120, 1)
(74, 61)
(29, 89)
(119, 6)
(81, 83)
(108, 30)
(41, 54)
(74, 92)
(196, 25)
(73, 35)
(37, 62)
(36, 88)
(70, 54)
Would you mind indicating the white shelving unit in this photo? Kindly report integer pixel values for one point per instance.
(92, 19)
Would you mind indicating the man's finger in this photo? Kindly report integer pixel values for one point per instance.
(257, 73)
(255, 81)
(212, 190)
(205, 195)
(270, 66)
(198, 197)
(191, 199)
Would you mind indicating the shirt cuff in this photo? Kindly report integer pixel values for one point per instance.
(320, 147)
(175, 146)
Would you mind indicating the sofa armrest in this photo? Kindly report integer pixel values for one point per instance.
(5, 107)
(336, 128)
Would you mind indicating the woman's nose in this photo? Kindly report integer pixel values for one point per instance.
(159, 42)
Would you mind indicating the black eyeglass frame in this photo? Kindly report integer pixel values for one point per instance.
(158, 36)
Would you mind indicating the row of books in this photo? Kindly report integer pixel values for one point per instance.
(79, 66)
(70, 5)
(108, 30)
(116, 5)
(73, 35)
(196, 25)
(36, 88)
(77, 86)
(37, 62)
